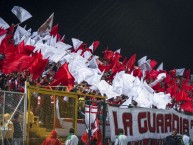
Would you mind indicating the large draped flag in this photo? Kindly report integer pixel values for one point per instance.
(92, 124)
(21, 13)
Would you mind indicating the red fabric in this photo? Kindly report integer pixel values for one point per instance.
(116, 66)
(84, 138)
(7, 41)
(54, 32)
(2, 31)
(104, 68)
(28, 49)
(124, 61)
(137, 72)
(11, 29)
(108, 54)
(187, 106)
(152, 74)
(19, 63)
(95, 45)
(37, 67)
(21, 47)
(182, 96)
(64, 77)
(116, 57)
(7, 62)
(131, 63)
(172, 73)
(153, 63)
(51, 141)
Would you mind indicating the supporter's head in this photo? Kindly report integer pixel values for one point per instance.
(53, 134)
(174, 132)
(71, 130)
(121, 131)
(7, 116)
(134, 103)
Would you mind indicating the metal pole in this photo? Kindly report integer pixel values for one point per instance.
(24, 114)
(104, 120)
(76, 115)
(3, 129)
(89, 129)
(28, 110)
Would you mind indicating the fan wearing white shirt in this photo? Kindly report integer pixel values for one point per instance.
(121, 138)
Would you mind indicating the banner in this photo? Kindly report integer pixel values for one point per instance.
(145, 123)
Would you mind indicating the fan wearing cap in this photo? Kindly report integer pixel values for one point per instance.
(9, 129)
(72, 139)
(52, 139)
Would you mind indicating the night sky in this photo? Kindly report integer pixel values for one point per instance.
(160, 29)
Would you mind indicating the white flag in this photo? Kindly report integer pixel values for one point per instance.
(21, 13)
(3, 24)
(47, 25)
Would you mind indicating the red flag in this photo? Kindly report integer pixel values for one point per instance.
(131, 63)
(182, 96)
(37, 67)
(54, 32)
(187, 107)
(108, 54)
(124, 61)
(7, 41)
(19, 63)
(104, 68)
(116, 66)
(116, 56)
(11, 29)
(153, 63)
(64, 77)
(7, 62)
(95, 45)
(21, 47)
(28, 49)
(2, 31)
(172, 73)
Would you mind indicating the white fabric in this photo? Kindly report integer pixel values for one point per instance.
(20, 35)
(160, 67)
(160, 100)
(185, 139)
(72, 141)
(180, 72)
(21, 13)
(121, 140)
(142, 60)
(3, 24)
(2, 37)
(76, 43)
(118, 51)
(160, 77)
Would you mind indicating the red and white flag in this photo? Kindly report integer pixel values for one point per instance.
(92, 123)
(47, 25)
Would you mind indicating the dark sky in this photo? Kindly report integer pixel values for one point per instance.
(160, 29)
